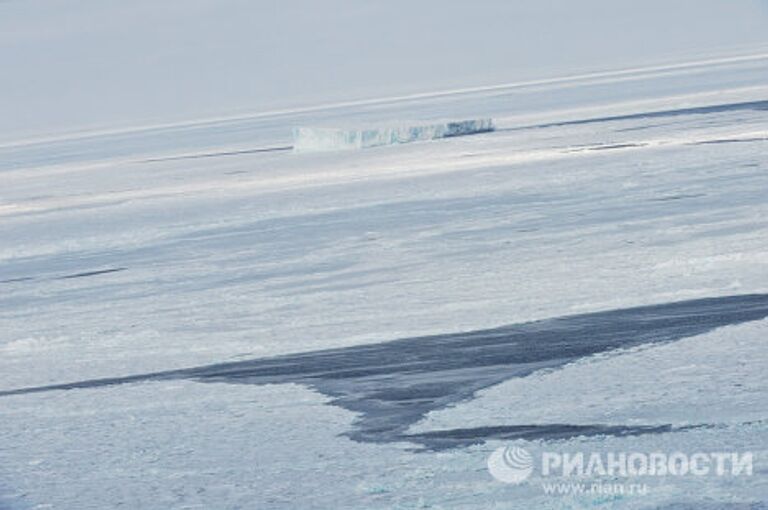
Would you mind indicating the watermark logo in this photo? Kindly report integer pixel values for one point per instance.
(510, 464)
(514, 465)
(633, 464)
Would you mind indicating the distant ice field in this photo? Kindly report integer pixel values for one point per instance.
(212, 254)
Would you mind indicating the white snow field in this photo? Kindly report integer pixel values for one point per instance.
(136, 251)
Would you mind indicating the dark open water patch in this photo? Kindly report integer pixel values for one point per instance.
(605, 147)
(680, 196)
(657, 114)
(82, 274)
(219, 154)
(447, 439)
(732, 140)
(92, 273)
(393, 385)
(616, 146)
(16, 280)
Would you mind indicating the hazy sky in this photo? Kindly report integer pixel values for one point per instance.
(72, 64)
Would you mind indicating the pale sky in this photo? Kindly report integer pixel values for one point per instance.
(79, 64)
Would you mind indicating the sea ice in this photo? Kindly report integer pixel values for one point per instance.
(309, 139)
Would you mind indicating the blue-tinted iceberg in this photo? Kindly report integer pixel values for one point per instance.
(308, 139)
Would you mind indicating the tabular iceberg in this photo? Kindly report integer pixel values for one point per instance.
(309, 139)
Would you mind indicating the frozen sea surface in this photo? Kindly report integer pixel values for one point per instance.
(312, 139)
(179, 260)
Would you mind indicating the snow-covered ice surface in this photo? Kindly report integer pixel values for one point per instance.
(312, 139)
(142, 251)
